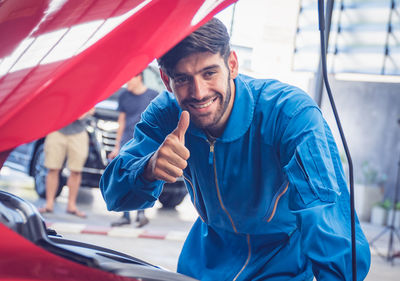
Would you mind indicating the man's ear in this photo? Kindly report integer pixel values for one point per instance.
(233, 65)
(165, 79)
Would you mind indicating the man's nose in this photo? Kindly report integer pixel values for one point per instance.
(199, 88)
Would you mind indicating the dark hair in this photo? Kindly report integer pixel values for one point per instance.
(211, 37)
(140, 74)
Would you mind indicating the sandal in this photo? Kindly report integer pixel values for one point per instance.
(45, 210)
(77, 213)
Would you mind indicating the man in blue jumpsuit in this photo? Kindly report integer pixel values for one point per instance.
(260, 164)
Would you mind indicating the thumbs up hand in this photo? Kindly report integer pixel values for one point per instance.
(168, 162)
(183, 125)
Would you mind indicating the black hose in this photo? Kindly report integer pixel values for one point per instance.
(321, 18)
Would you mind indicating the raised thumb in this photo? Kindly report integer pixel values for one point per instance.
(183, 125)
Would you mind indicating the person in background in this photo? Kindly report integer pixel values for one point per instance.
(70, 143)
(260, 163)
(132, 101)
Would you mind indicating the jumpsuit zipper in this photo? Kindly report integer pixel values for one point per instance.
(211, 160)
(247, 260)
(212, 157)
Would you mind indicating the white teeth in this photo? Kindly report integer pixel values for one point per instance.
(203, 105)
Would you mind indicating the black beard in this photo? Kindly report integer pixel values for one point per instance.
(220, 113)
(228, 95)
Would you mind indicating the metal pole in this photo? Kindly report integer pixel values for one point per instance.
(232, 19)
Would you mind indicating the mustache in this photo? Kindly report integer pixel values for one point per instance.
(193, 100)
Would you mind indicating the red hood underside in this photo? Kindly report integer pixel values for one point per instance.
(59, 58)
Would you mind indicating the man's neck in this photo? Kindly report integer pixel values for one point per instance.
(213, 134)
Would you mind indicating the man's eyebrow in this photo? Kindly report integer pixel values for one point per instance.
(207, 68)
(211, 67)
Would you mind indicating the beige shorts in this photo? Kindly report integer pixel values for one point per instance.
(58, 146)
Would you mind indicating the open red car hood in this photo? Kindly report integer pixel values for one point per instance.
(58, 58)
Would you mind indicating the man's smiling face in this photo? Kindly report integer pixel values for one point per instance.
(203, 85)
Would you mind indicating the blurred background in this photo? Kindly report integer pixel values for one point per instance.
(276, 39)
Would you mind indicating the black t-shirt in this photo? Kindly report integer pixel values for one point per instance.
(133, 106)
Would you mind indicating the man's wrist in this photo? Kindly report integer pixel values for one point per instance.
(148, 172)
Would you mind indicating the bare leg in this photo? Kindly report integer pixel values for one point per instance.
(74, 182)
(51, 188)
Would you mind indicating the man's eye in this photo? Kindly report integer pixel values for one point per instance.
(208, 74)
(180, 80)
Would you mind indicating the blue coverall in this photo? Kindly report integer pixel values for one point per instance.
(271, 194)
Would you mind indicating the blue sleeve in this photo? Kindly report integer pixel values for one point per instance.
(122, 185)
(319, 197)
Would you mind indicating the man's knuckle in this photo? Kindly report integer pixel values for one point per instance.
(167, 140)
(160, 154)
(187, 154)
(170, 139)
